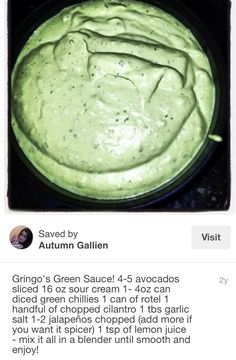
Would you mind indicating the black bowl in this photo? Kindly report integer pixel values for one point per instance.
(70, 200)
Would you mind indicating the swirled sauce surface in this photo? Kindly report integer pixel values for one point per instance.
(112, 99)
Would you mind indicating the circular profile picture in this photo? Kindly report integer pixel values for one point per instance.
(21, 237)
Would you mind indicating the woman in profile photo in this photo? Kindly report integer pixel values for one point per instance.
(23, 239)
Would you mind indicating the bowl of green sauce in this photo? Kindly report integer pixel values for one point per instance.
(116, 104)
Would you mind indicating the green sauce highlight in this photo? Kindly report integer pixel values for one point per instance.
(112, 100)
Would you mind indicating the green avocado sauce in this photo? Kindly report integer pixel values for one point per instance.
(112, 99)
